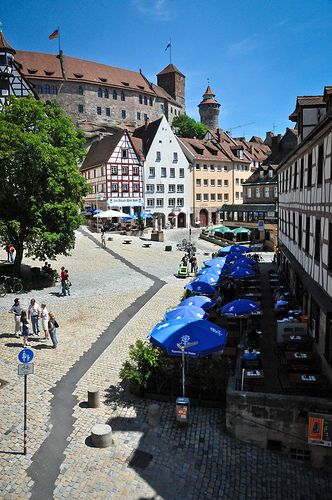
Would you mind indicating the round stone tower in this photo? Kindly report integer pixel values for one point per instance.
(209, 109)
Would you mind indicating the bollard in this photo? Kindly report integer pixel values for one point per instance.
(93, 398)
(101, 435)
(154, 414)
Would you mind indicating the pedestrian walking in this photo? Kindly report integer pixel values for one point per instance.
(193, 263)
(44, 320)
(67, 283)
(10, 253)
(16, 310)
(25, 328)
(103, 241)
(52, 326)
(64, 281)
(34, 315)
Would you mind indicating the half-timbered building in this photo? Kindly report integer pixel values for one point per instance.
(305, 218)
(12, 81)
(113, 168)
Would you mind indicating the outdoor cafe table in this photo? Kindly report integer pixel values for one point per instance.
(300, 357)
(253, 380)
(297, 342)
(306, 380)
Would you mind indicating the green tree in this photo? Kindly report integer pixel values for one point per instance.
(41, 188)
(188, 127)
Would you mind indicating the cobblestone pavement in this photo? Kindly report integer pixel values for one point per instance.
(198, 462)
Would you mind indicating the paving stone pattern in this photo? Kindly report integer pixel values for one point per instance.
(198, 462)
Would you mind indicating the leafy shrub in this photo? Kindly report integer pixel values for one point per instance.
(144, 357)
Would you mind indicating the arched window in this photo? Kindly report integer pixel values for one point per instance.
(46, 89)
(140, 99)
(106, 93)
(115, 95)
(80, 90)
(39, 89)
(150, 101)
(122, 96)
(100, 92)
(145, 100)
(54, 89)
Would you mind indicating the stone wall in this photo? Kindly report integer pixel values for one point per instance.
(69, 99)
(276, 421)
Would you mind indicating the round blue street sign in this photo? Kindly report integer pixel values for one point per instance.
(26, 356)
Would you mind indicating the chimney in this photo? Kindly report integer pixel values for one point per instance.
(275, 140)
(268, 138)
(147, 123)
(218, 135)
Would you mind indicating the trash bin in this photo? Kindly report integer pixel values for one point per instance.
(182, 410)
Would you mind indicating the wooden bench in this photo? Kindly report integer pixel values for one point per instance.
(146, 245)
(127, 242)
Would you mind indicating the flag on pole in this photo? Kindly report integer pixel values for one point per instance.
(168, 46)
(53, 35)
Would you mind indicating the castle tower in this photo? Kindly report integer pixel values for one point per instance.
(173, 81)
(11, 80)
(209, 109)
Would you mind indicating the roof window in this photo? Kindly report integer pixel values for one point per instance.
(125, 83)
(32, 71)
(78, 75)
(102, 79)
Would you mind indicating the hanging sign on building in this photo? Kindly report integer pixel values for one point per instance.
(261, 225)
(320, 430)
(125, 202)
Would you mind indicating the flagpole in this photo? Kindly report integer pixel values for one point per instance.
(170, 51)
(59, 39)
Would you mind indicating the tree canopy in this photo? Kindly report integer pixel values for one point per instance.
(41, 188)
(188, 127)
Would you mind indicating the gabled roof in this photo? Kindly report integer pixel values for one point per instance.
(101, 151)
(160, 92)
(147, 134)
(170, 68)
(5, 45)
(204, 150)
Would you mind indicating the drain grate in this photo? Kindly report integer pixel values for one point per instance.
(140, 459)
(2, 383)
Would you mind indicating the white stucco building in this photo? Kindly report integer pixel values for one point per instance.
(166, 173)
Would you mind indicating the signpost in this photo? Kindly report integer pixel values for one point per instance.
(26, 368)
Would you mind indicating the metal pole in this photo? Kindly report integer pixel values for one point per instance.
(25, 439)
(183, 375)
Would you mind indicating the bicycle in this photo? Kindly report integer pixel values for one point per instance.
(10, 284)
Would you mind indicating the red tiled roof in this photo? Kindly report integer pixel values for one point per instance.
(160, 92)
(5, 45)
(39, 65)
(209, 91)
(170, 68)
(209, 101)
(203, 150)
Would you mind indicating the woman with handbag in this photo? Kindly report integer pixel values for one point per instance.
(52, 326)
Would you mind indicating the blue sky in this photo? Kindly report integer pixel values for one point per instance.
(258, 54)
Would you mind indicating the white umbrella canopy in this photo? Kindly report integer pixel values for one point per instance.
(108, 214)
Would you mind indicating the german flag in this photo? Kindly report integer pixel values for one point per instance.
(53, 35)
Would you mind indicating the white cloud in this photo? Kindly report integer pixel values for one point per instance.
(158, 9)
(243, 46)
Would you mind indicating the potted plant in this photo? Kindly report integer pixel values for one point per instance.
(138, 370)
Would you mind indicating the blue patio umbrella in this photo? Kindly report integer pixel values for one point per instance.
(147, 216)
(198, 301)
(90, 209)
(233, 249)
(201, 287)
(241, 273)
(246, 262)
(202, 337)
(195, 339)
(217, 262)
(189, 313)
(209, 278)
(232, 256)
(240, 259)
(208, 270)
(97, 212)
(240, 307)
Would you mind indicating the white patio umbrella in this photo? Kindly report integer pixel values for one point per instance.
(108, 214)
